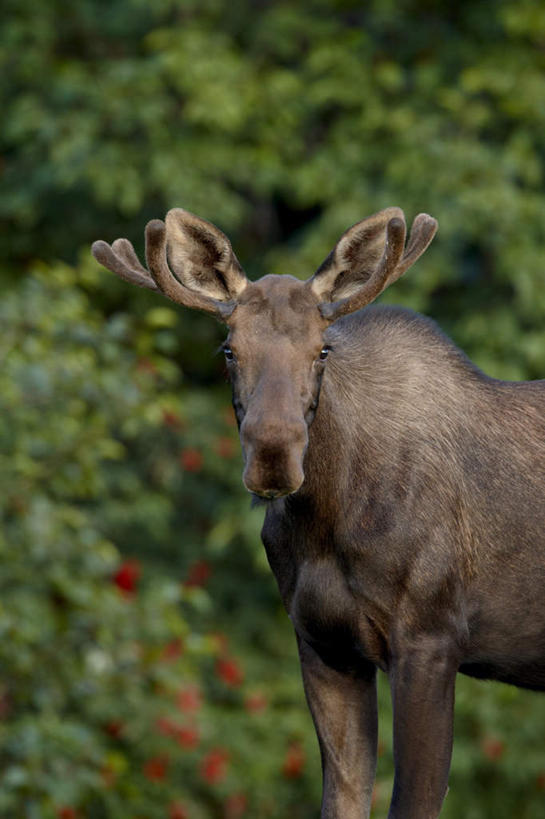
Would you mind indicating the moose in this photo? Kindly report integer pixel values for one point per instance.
(404, 491)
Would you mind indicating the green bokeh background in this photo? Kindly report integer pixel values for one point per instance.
(179, 696)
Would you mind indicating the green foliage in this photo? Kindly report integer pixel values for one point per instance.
(282, 123)
(119, 696)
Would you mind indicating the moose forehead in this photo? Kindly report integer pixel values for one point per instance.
(278, 305)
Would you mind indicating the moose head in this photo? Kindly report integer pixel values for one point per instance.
(277, 345)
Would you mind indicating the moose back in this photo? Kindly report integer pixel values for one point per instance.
(404, 492)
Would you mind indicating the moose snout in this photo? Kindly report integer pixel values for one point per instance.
(274, 453)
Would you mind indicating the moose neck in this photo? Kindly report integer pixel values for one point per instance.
(390, 375)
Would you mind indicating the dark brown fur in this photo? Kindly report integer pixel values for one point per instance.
(405, 492)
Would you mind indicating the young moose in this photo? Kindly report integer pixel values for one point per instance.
(405, 490)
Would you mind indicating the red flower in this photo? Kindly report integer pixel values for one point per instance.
(255, 703)
(493, 748)
(114, 728)
(191, 460)
(127, 576)
(294, 761)
(214, 766)
(177, 811)
(189, 699)
(235, 805)
(540, 781)
(155, 769)
(187, 736)
(197, 574)
(225, 447)
(66, 812)
(173, 650)
(230, 672)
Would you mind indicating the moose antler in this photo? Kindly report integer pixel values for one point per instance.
(423, 230)
(207, 274)
(121, 259)
(369, 257)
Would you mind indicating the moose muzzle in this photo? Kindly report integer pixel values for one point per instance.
(273, 450)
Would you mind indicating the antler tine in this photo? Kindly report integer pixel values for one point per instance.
(423, 230)
(393, 250)
(125, 250)
(122, 260)
(166, 281)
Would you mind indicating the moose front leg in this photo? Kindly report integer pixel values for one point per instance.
(344, 710)
(422, 680)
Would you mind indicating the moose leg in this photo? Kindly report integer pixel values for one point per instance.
(344, 710)
(422, 681)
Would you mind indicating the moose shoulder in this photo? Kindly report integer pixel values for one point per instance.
(404, 492)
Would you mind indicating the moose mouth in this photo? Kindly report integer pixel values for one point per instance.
(271, 494)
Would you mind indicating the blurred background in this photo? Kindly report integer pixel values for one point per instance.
(147, 669)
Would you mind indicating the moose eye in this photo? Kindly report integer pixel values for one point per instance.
(324, 352)
(229, 354)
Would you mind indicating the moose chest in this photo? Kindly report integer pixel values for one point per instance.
(338, 617)
(326, 613)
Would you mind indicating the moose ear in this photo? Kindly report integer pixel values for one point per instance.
(201, 257)
(367, 258)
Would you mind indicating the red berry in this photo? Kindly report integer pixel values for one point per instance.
(235, 806)
(177, 811)
(294, 761)
(229, 417)
(155, 769)
(189, 699)
(493, 748)
(166, 727)
(172, 650)
(66, 812)
(187, 736)
(114, 728)
(230, 672)
(198, 573)
(127, 576)
(191, 459)
(255, 703)
(171, 419)
(214, 766)
(225, 447)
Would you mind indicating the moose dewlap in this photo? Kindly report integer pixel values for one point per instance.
(404, 491)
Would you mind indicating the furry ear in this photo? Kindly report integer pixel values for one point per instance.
(201, 257)
(354, 258)
(367, 258)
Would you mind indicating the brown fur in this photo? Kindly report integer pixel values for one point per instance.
(405, 492)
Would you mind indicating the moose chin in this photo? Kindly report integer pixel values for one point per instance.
(404, 491)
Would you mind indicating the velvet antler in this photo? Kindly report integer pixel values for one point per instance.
(189, 260)
(369, 257)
